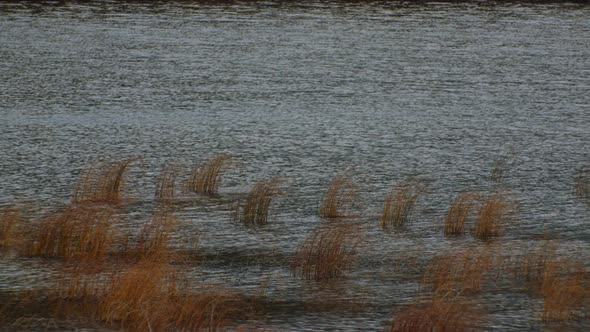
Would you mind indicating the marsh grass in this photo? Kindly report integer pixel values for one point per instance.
(9, 218)
(438, 314)
(255, 209)
(166, 182)
(82, 232)
(205, 179)
(565, 290)
(492, 216)
(154, 240)
(459, 213)
(327, 253)
(339, 198)
(102, 182)
(399, 204)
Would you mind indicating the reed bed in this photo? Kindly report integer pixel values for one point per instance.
(153, 241)
(9, 218)
(438, 314)
(458, 214)
(327, 253)
(399, 205)
(102, 182)
(339, 198)
(565, 291)
(206, 179)
(255, 209)
(83, 232)
(492, 216)
(166, 182)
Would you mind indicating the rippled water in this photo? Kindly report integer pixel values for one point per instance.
(305, 91)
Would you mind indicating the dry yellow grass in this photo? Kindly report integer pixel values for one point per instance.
(8, 219)
(438, 314)
(206, 179)
(166, 182)
(492, 216)
(399, 205)
(255, 209)
(83, 232)
(102, 182)
(458, 213)
(339, 198)
(327, 253)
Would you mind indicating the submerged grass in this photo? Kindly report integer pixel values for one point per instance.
(102, 182)
(205, 179)
(399, 205)
(255, 209)
(327, 253)
(339, 198)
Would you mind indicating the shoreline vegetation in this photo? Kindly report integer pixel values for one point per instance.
(118, 276)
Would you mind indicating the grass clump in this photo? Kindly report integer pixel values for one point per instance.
(154, 239)
(327, 253)
(77, 232)
(399, 205)
(166, 183)
(206, 178)
(8, 219)
(102, 182)
(438, 314)
(459, 213)
(491, 217)
(255, 209)
(564, 290)
(339, 197)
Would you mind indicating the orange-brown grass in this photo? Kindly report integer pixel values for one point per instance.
(166, 183)
(339, 198)
(459, 273)
(8, 219)
(458, 213)
(102, 182)
(436, 315)
(492, 216)
(399, 205)
(564, 290)
(154, 239)
(256, 208)
(206, 178)
(76, 232)
(327, 253)
(582, 183)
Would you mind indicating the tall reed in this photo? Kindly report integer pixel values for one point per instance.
(102, 182)
(399, 205)
(339, 198)
(492, 216)
(255, 210)
(76, 232)
(166, 182)
(327, 253)
(458, 213)
(206, 178)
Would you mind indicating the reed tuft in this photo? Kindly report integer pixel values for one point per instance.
(436, 315)
(102, 182)
(399, 205)
(582, 182)
(206, 179)
(459, 213)
(8, 219)
(327, 253)
(339, 198)
(491, 216)
(255, 209)
(166, 182)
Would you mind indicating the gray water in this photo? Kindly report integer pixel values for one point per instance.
(305, 91)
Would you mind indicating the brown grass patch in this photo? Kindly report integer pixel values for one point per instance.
(458, 213)
(205, 179)
(76, 232)
(166, 182)
(8, 220)
(339, 198)
(492, 216)
(436, 315)
(327, 253)
(153, 241)
(399, 205)
(102, 182)
(564, 290)
(256, 208)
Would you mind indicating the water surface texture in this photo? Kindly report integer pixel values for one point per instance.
(306, 91)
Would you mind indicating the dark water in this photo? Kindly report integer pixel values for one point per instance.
(306, 91)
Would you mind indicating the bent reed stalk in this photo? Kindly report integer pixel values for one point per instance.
(399, 205)
(257, 205)
(102, 182)
(206, 179)
(458, 213)
(339, 198)
(166, 182)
